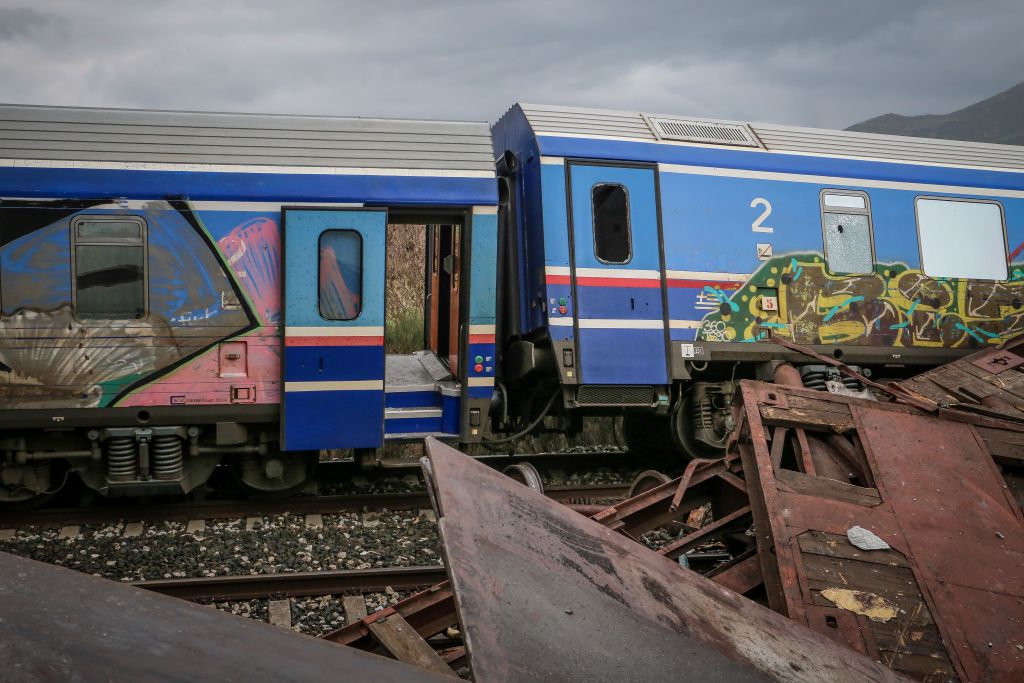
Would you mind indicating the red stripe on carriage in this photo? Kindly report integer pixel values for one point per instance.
(334, 341)
(650, 283)
(481, 339)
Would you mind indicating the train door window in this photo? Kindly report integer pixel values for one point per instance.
(109, 268)
(961, 238)
(612, 238)
(341, 275)
(846, 226)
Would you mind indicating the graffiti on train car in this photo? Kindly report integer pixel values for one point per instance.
(52, 355)
(893, 306)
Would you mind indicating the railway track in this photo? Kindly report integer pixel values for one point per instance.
(301, 505)
(296, 584)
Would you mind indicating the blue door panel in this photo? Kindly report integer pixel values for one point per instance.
(319, 363)
(333, 370)
(619, 310)
(332, 417)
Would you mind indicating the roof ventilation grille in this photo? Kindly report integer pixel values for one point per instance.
(710, 132)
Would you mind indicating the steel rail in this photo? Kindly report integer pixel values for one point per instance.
(237, 509)
(295, 584)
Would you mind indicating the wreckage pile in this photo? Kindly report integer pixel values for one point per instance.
(891, 528)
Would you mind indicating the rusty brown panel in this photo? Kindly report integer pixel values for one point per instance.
(940, 503)
(60, 625)
(547, 594)
(966, 539)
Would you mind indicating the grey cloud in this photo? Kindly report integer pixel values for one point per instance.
(802, 62)
(25, 23)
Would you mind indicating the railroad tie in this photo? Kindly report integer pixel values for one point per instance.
(195, 526)
(133, 529)
(7, 534)
(280, 613)
(314, 521)
(251, 522)
(428, 514)
(355, 608)
(68, 532)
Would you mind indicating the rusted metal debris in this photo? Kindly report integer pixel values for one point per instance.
(543, 593)
(422, 616)
(57, 624)
(946, 601)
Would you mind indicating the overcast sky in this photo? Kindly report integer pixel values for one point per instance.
(825, 63)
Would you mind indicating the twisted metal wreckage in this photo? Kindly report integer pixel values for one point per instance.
(882, 538)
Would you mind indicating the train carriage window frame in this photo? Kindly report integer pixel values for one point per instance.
(970, 241)
(114, 237)
(600, 228)
(846, 208)
(330, 315)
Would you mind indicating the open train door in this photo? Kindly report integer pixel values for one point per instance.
(333, 360)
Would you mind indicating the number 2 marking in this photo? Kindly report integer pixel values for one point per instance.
(756, 225)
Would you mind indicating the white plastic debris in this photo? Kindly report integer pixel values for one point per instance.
(864, 539)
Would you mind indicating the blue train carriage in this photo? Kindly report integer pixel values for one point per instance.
(182, 290)
(654, 252)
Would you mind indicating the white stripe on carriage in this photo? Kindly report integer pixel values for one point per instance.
(353, 385)
(706, 275)
(481, 329)
(480, 382)
(610, 324)
(485, 210)
(354, 331)
(684, 324)
(244, 168)
(553, 161)
(631, 273)
(838, 180)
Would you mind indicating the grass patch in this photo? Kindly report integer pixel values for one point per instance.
(403, 332)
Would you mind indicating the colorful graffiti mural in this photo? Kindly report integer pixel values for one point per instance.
(892, 306)
(51, 357)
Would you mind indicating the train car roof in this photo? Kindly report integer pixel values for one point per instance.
(137, 137)
(554, 121)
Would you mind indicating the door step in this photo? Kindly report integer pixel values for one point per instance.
(412, 420)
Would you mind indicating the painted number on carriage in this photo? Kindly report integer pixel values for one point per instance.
(758, 224)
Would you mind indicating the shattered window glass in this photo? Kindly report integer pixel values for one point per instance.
(846, 227)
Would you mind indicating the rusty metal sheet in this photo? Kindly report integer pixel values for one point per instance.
(60, 625)
(946, 599)
(544, 594)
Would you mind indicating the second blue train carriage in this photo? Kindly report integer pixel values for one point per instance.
(646, 255)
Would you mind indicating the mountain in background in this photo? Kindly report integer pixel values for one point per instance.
(999, 119)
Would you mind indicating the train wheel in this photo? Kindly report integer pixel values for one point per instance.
(23, 487)
(275, 475)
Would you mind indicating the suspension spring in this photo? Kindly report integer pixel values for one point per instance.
(165, 453)
(122, 459)
(41, 468)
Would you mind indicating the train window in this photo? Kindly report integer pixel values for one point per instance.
(961, 238)
(109, 268)
(846, 227)
(341, 274)
(612, 239)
